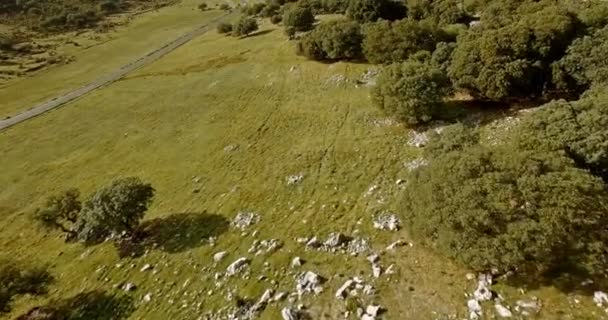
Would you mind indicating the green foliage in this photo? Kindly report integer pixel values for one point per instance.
(224, 27)
(334, 6)
(302, 19)
(115, 209)
(509, 209)
(412, 91)
(372, 10)
(439, 11)
(577, 129)
(456, 137)
(17, 279)
(254, 9)
(60, 211)
(111, 6)
(244, 26)
(585, 62)
(442, 56)
(333, 40)
(387, 42)
(270, 10)
(290, 32)
(315, 6)
(513, 60)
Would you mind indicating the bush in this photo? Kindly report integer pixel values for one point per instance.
(290, 32)
(203, 6)
(245, 26)
(270, 10)
(315, 6)
(372, 10)
(224, 27)
(333, 40)
(61, 212)
(584, 63)
(114, 210)
(225, 7)
(440, 11)
(412, 91)
(386, 42)
(276, 19)
(512, 61)
(254, 9)
(442, 56)
(334, 6)
(16, 279)
(504, 208)
(109, 6)
(300, 18)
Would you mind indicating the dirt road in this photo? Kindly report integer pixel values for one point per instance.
(109, 78)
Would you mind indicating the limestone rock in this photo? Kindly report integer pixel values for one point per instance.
(237, 266)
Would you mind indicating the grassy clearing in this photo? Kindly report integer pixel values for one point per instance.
(278, 115)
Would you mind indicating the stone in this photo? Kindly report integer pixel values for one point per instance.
(390, 269)
(527, 307)
(368, 289)
(470, 276)
(367, 317)
(482, 293)
(129, 287)
(373, 310)
(342, 292)
(600, 298)
(148, 297)
(266, 296)
(474, 307)
(376, 271)
(219, 256)
(418, 139)
(245, 219)
(398, 243)
(279, 296)
(373, 258)
(313, 243)
(297, 262)
(294, 179)
(502, 311)
(308, 282)
(335, 239)
(237, 266)
(388, 222)
(289, 313)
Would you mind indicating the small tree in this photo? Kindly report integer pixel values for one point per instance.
(16, 279)
(245, 26)
(333, 40)
(61, 212)
(412, 91)
(115, 209)
(372, 10)
(224, 27)
(302, 19)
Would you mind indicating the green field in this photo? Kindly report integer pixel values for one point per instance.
(217, 126)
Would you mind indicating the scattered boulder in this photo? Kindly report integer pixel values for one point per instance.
(415, 164)
(502, 311)
(294, 179)
(297, 262)
(146, 267)
(265, 246)
(394, 245)
(147, 297)
(335, 240)
(237, 266)
(418, 139)
(309, 282)
(219, 256)
(289, 313)
(245, 219)
(376, 271)
(600, 298)
(474, 307)
(342, 292)
(374, 258)
(129, 287)
(387, 222)
(527, 307)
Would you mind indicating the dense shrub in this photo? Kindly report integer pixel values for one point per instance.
(110, 6)
(442, 56)
(386, 42)
(254, 9)
(333, 40)
(585, 62)
(372, 10)
(302, 19)
(334, 6)
(439, 11)
(244, 26)
(513, 60)
(509, 209)
(270, 10)
(412, 91)
(61, 211)
(224, 27)
(315, 6)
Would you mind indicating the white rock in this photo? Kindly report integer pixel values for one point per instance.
(146, 267)
(279, 296)
(367, 317)
(373, 310)
(482, 293)
(387, 222)
(373, 258)
(470, 276)
(390, 269)
(237, 266)
(503, 311)
(129, 287)
(289, 314)
(297, 262)
(600, 298)
(219, 256)
(343, 290)
(148, 297)
(398, 243)
(266, 296)
(376, 271)
(474, 309)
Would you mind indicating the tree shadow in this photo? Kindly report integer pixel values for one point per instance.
(92, 305)
(259, 33)
(174, 233)
(16, 279)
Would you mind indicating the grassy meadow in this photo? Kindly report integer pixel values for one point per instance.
(217, 126)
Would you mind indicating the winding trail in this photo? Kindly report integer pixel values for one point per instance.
(109, 78)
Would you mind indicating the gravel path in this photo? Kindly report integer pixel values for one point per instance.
(109, 78)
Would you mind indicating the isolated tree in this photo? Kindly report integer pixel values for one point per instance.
(244, 26)
(301, 19)
(61, 212)
(372, 10)
(17, 279)
(115, 209)
(412, 91)
(224, 27)
(333, 40)
(504, 208)
(512, 61)
(386, 42)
